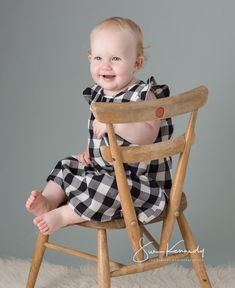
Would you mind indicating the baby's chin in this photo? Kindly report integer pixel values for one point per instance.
(114, 88)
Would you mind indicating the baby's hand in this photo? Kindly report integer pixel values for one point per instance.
(99, 129)
(84, 158)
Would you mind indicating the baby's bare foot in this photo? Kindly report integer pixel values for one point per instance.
(51, 221)
(37, 204)
(48, 222)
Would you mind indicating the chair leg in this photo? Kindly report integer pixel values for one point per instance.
(37, 259)
(195, 256)
(103, 268)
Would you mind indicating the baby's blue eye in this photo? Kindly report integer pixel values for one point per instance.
(116, 58)
(98, 58)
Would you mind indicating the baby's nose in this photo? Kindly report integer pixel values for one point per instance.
(106, 65)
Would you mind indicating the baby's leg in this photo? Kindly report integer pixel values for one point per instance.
(57, 218)
(39, 203)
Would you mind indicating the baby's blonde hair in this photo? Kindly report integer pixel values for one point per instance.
(123, 23)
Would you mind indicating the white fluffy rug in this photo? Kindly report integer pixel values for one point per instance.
(13, 274)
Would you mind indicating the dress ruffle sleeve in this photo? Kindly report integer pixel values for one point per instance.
(160, 91)
(93, 93)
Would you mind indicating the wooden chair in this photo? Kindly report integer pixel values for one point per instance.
(111, 113)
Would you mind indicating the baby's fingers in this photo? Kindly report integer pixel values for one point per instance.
(87, 159)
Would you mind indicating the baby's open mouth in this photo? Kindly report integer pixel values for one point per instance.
(108, 76)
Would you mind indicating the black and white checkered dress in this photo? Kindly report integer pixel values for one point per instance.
(92, 191)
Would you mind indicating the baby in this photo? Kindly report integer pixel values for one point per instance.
(86, 182)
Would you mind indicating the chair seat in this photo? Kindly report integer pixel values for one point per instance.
(120, 223)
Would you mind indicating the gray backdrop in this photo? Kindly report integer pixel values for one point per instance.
(43, 116)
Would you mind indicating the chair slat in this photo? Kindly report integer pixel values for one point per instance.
(134, 154)
(149, 110)
(149, 264)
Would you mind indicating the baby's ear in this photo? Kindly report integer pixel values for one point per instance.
(89, 54)
(139, 62)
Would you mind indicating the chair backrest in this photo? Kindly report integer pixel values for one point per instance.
(112, 113)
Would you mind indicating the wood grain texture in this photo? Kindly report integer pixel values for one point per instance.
(146, 110)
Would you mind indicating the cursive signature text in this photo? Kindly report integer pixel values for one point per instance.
(169, 250)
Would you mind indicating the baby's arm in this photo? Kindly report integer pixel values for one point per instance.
(135, 133)
(142, 132)
(139, 133)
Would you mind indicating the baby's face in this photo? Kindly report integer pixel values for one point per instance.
(113, 60)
